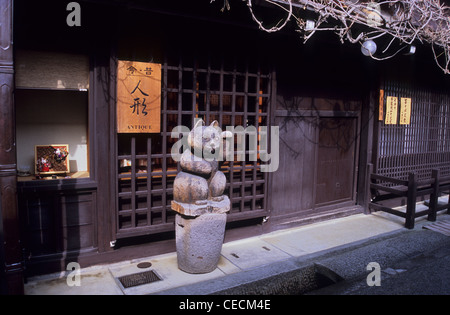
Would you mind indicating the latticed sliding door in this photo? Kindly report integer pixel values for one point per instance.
(421, 145)
(211, 90)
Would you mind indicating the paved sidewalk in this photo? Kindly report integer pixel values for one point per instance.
(238, 257)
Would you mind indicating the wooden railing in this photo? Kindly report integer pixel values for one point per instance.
(411, 189)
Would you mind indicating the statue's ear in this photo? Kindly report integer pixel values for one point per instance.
(215, 123)
(190, 140)
(198, 123)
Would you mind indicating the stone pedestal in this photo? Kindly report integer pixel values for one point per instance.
(199, 241)
(199, 231)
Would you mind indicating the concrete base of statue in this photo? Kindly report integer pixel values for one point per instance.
(199, 238)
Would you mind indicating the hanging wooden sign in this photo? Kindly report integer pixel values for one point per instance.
(381, 106)
(405, 111)
(391, 110)
(138, 97)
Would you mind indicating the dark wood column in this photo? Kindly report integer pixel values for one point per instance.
(12, 269)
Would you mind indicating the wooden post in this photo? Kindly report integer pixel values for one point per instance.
(366, 147)
(411, 202)
(3, 288)
(448, 202)
(367, 188)
(13, 269)
(434, 196)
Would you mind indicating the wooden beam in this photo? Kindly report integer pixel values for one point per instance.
(12, 266)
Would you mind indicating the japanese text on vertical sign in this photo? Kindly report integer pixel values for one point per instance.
(405, 111)
(138, 97)
(391, 110)
(381, 106)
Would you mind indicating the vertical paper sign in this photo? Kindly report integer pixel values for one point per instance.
(381, 106)
(138, 97)
(405, 111)
(391, 110)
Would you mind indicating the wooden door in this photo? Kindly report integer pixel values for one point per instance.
(293, 188)
(335, 160)
(317, 168)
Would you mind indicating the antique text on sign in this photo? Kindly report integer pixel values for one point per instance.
(138, 97)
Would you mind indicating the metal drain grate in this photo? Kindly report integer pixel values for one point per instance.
(140, 278)
(440, 227)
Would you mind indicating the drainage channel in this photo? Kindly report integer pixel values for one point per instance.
(294, 282)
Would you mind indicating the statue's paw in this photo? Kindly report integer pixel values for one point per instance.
(201, 202)
(217, 199)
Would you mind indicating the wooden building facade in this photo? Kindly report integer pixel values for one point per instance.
(59, 85)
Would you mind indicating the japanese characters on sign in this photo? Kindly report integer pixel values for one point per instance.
(405, 111)
(138, 97)
(381, 106)
(391, 110)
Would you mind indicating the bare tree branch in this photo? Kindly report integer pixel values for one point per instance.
(408, 21)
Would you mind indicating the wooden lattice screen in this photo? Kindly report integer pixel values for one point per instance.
(422, 145)
(232, 95)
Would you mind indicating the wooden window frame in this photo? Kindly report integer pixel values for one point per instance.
(247, 187)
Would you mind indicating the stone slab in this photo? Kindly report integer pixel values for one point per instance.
(165, 266)
(93, 280)
(325, 235)
(252, 252)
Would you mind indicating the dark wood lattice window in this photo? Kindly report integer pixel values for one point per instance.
(422, 145)
(211, 90)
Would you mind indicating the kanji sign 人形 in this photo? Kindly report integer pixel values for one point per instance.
(138, 97)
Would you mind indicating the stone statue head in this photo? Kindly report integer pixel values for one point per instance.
(207, 140)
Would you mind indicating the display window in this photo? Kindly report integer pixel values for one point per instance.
(52, 120)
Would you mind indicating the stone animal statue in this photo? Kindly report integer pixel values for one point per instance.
(199, 201)
(199, 187)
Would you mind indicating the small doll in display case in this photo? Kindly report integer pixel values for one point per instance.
(60, 154)
(43, 165)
